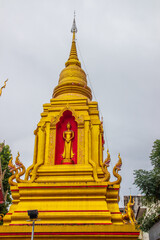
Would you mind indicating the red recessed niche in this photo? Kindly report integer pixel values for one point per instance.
(61, 126)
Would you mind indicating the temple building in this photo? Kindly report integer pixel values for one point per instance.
(68, 182)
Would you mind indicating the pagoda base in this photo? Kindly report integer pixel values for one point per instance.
(75, 210)
(69, 231)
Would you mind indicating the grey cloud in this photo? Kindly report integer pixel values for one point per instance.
(119, 42)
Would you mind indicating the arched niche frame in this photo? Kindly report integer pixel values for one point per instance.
(60, 123)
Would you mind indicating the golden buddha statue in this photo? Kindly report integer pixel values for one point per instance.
(68, 154)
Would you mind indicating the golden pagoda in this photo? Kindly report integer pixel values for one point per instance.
(68, 182)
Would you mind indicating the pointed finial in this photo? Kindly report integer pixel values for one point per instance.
(73, 57)
(74, 27)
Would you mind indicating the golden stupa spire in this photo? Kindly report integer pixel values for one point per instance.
(72, 80)
(73, 57)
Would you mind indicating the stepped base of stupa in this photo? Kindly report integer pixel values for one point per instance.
(70, 231)
(84, 210)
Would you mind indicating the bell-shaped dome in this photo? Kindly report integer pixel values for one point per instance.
(72, 80)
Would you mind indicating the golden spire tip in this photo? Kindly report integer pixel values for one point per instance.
(74, 27)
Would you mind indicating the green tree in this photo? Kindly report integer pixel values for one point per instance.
(5, 155)
(148, 183)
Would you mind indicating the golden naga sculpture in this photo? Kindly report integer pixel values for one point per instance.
(22, 169)
(129, 214)
(68, 154)
(3, 87)
(14, 172)
(116, 169)
(29, 169)
(105, 166)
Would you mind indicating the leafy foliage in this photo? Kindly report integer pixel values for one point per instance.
(155, 154)
(149, 184)
(149, 218)
(5, 156)
(149, 181)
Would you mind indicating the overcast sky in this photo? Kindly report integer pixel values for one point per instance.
(119, 42)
